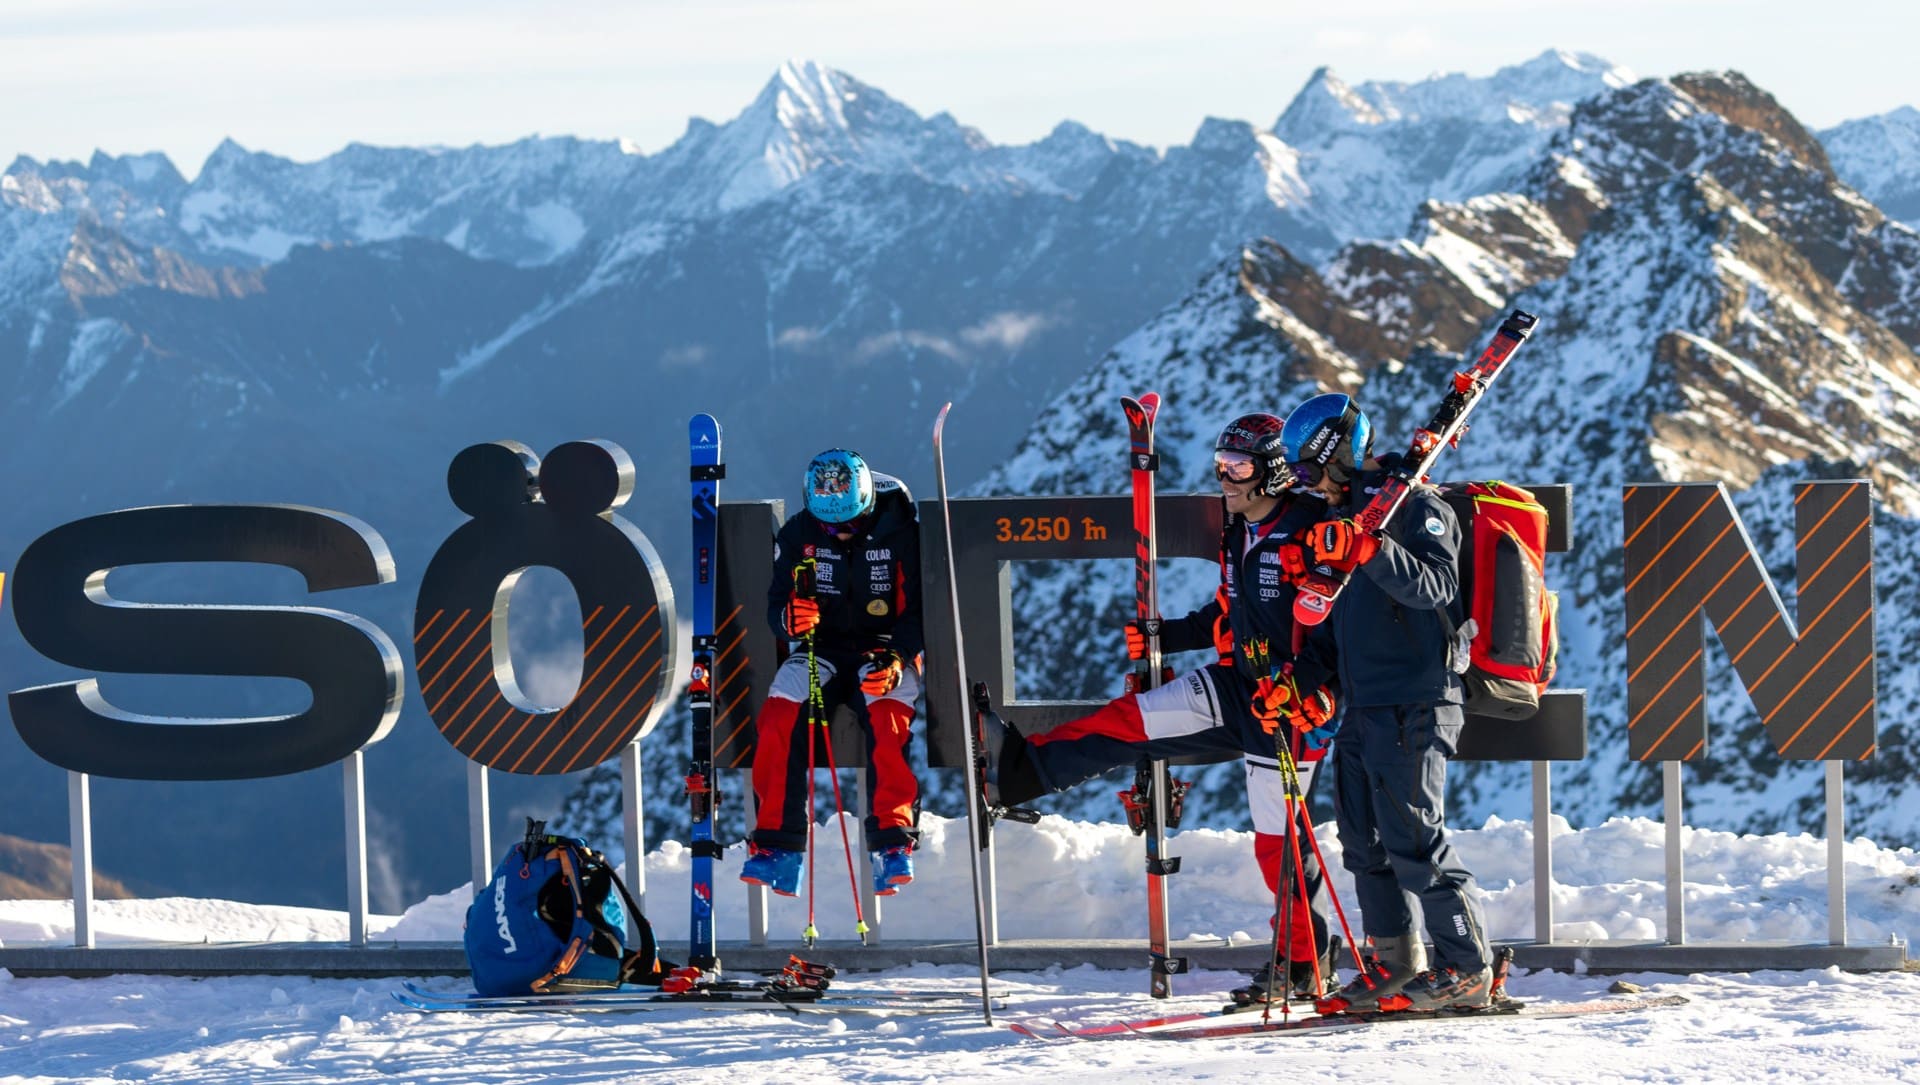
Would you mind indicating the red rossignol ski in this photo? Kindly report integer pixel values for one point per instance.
(1323, 584)
(1143, 462)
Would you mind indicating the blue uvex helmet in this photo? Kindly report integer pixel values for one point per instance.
(839, 486)
(1328, 434)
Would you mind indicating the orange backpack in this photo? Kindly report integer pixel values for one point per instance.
(1510, 635)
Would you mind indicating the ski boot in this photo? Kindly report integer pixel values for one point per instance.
(1294, 979)
(892, 868)
(1394, 962)
(1011, 778)
(1443, 988)
(776, 868)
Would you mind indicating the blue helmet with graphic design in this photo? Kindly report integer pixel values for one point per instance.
(1328, 434)
(839, 486)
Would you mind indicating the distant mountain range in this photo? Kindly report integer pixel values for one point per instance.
(829, 267)
(1717, 306)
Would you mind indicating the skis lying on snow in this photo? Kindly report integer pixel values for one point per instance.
(725, 995)
(1182, 1026)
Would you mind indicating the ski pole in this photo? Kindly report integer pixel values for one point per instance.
(846, 844)
(816, 704)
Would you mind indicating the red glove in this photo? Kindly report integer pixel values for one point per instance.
(1293, 562)
(880, 672)
(1278, 698)
(1136, 641)
(1342, 544)
(803, 614)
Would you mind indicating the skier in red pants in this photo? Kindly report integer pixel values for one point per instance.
(1241, 705)
(847, 574)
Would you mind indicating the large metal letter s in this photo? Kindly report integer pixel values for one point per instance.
(61, 603)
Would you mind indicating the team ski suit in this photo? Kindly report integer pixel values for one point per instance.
(1209, 710)
(867, 588)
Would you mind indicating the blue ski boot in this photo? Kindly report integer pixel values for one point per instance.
(892, 868)
(776, 868)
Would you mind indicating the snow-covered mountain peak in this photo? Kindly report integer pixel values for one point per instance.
(1559, 77)
(808, 118)
(1324, 103)
(1536, 93)
(1734, 97)
(1880, 156)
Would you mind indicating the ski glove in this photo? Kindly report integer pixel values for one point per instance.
(1278, 699)
(802, 615)
(880, 672)
(1136, 641)
(1293, 561)
(1343, 544)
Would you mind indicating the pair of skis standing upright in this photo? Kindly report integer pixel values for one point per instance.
(1312, 605)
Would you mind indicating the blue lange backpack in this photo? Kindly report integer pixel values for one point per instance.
(549, 922)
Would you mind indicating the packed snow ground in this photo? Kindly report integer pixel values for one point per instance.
(1058, 879)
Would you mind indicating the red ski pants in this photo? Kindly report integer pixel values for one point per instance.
(781, 754)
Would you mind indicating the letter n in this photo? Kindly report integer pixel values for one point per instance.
(1688, 554)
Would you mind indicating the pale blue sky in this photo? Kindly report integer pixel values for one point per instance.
(304, 79)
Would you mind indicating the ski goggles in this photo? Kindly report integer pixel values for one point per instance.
(1234, 466)
(1307, 474)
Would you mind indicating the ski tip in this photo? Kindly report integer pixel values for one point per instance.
(1144, 407)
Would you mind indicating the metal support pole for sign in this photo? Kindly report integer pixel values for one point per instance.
(756, 894)
(869, 900)
(989, 895)
(1676, 865)
(1836, 856)
(634, 827)
(80, 844)
(354, 786)
(479, 817)
(1543, 852)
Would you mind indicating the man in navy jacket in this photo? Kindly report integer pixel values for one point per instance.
(1392, 636)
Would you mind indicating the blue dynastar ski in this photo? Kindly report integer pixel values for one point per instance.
(703, 439)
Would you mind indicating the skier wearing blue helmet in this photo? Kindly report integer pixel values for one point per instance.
(1327, 434)
(846, 578)
(1392, 636)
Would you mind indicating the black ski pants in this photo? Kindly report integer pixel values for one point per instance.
(1390, 804)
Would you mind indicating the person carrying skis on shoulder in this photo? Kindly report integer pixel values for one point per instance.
(847, 576)
(1391, 634)
(1233, 706)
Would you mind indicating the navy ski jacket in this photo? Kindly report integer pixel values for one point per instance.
(1256, 596)
(1392, 628)
(868, 587)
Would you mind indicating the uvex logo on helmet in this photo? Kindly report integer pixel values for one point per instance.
(1331, 431)
(1321, 446)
